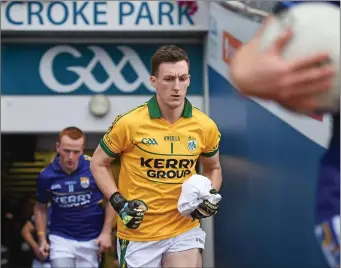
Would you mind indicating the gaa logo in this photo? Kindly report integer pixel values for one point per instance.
(149, 141)
(85, 75)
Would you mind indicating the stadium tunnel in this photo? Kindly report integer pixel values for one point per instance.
(267, 154)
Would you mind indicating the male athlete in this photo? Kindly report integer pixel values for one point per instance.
(267, 75)
(27, 232)
(80, 229)
(159, 144)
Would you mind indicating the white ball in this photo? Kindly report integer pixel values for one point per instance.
(99, 105)
(316, 28)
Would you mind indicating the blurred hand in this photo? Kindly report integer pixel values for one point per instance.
(265, 74)
(44, 249)
(38, 254)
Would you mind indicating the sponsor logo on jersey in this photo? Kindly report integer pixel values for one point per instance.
(75, 200)
(149, 141)
(168, 168)
(171, 138)
(56, 187)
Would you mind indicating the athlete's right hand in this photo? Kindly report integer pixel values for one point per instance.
(38, 254)
(44, 248)
(131, 212)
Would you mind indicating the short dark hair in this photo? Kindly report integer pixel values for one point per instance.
(167, 53)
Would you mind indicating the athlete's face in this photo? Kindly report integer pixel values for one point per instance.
(171, 83)
(69, 151)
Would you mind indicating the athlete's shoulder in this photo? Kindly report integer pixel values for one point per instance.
(197, 113)
(87, 158)
(84, 169)
(86, 161)
(132, 116)
(203, 119)
(47, 172)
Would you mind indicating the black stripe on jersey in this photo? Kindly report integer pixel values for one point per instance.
(165, 154)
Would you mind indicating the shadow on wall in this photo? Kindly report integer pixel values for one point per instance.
(237, 168)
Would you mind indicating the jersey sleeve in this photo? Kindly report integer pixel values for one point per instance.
(42, 190)
(117, 139)
(212, 139)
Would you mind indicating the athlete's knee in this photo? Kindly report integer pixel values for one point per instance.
(63, 262)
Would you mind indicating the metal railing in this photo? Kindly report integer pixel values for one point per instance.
(255, 10)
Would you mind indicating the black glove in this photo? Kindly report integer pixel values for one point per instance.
(131, 212)
(206, 208)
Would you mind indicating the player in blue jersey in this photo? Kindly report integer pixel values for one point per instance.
(28, 233)
(267, 75)
(80, 227)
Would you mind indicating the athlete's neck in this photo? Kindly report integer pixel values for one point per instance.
(66, 170)
(169, 114)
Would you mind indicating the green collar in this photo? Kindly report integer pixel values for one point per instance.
(154, 110)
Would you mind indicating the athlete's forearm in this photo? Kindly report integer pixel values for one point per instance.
(104, 179)
(215, 175)
(40, 212)
(26, 233)
(109, 217)
(30, 240)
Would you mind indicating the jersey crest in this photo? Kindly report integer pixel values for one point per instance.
(192, 143)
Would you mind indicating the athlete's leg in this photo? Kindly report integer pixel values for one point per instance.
(187, 258)
(85, 263)
(47, 265)
(38, 264)
(63, 262)
(87, 254)
(328, 235)
(133, 254)
(185, 250)
(61, 252)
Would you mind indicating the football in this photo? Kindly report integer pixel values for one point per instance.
(316, 28)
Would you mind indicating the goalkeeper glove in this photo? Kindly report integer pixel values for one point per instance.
(131, 212)
(206, 208)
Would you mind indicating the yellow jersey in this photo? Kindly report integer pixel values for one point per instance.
(156, 158)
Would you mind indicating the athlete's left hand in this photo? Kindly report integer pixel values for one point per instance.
(206, 208)
(104, 242)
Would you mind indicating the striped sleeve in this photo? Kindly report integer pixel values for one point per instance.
(212, 139)
(116, 140)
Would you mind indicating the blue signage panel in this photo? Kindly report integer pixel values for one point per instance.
(102, 16)
(74, 69)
